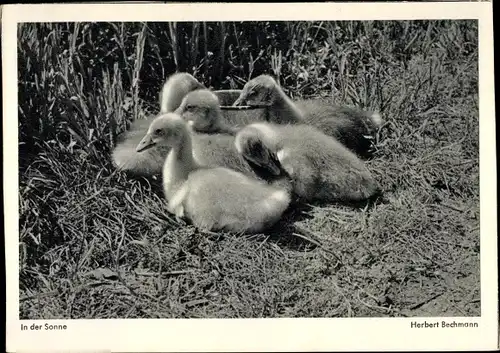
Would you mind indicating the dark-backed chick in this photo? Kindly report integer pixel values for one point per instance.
(354, 128)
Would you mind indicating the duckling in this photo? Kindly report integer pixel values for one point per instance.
(321, 169)
(352, 127)
(149, 163)
(201, 109)
(126, 158)
(212, 198)
(174, 90)
(211, 149)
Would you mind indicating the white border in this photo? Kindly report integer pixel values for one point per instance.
(254, 334)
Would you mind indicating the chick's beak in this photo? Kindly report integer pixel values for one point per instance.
(146, 143)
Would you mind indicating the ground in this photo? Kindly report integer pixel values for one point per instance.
(97, 243)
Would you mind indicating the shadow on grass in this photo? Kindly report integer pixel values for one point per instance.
(287, 233)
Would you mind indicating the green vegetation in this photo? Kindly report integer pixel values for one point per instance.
(96, 243)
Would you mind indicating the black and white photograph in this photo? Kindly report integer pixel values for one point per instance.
(250, 169)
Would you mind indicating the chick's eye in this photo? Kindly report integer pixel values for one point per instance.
(158, 132)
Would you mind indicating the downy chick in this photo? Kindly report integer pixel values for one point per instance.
(321, 169)
(212, 198)
(174, 90)
(201, 110)
(354, 128)
(149, 163)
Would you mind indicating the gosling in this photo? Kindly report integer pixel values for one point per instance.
(354, 128)
(212, 198)
(321, 169)
(201, 109)
(149, 163)
(213, 138)
(214, 149)
(174, 90)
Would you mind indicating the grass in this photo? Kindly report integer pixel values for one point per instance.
(96, 243)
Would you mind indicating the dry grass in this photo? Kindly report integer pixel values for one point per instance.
(95, 243)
